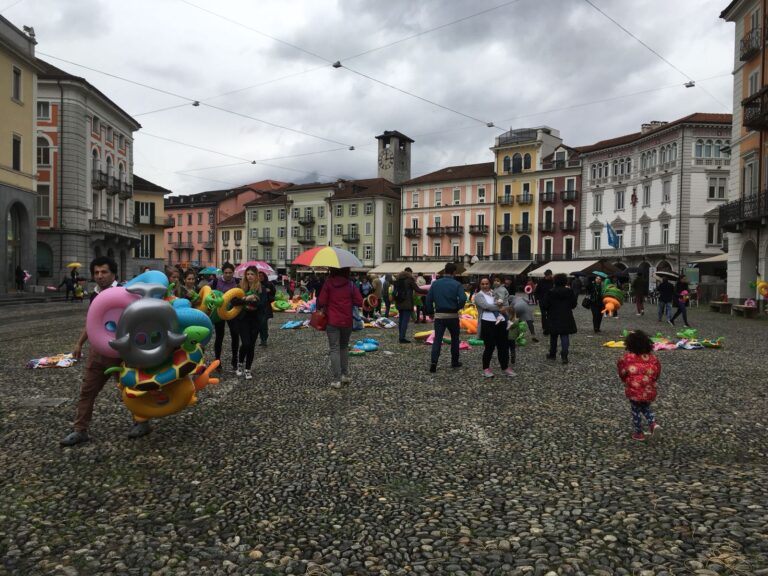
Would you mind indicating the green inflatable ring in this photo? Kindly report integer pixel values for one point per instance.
(476, 342)
(282, 304)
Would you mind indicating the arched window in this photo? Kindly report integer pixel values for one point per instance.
(643, 162)
(43, 152)
(594, 171)
(507, 163)
(121, 172)
(615, 167)
(699, 151)
(708, 149)
(110, 170)
(527, 162)
(628, 164)
(674, 151)
(95, 162)
(663, 154)
(600, 170)
(653, 158)
(718, 145)
(621, 166)
(728, 147)
(517, 163)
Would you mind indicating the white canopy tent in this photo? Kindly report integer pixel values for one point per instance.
(571, 266)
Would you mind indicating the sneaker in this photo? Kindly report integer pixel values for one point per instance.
(670, 322)
(509, 372)
(262, 343)
(74, 438)
(639, 436)
(534, 339)
(433, 368)
(248, 375)
(456, 365)
(638, 314)
(551, 357)
(336, 385)
(239, 370)
(345, 379)
(654, 428)
(565, 360)
(487, 373)
(404, 341)
(139, 429)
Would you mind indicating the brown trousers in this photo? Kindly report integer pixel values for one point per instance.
(93, 381)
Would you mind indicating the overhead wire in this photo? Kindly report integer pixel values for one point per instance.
(654, 52)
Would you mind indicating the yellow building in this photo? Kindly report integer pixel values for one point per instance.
(18, 165)
(149, 217)
(518, 157)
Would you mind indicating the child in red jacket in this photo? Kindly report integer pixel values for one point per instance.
(639, 369)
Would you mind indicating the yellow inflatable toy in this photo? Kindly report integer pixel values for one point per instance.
(614, 344)
(224, 311)
(423, 335)
(170, 399)
(762, 288)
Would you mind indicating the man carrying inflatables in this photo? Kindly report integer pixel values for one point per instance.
(104, 272)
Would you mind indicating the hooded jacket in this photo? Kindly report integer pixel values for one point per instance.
(639, 372)
(337, 296)
(560, 302)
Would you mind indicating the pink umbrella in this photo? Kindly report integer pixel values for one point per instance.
(259, 265)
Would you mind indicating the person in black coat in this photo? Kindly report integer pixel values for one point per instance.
(559, 304)
(267, 296)
(595, 292)
(542, 288)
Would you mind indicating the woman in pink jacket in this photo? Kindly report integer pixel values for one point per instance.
(336, 300)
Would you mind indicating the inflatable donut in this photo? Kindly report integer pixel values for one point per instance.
(103, 316)
(528, 289)
(157, 403)
(224, 311)
(180, 365)
(205, 291)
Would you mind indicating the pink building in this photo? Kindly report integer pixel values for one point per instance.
(192, 241)
(448, 214)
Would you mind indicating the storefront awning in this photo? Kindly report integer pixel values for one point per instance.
(713, 259)
(498, 267)
(422, 267)
(571, 266)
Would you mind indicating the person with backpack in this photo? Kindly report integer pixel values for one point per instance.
(404, 289)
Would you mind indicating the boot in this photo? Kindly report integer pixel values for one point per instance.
(564, 356)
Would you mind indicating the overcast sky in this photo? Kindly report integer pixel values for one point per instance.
(517, 64)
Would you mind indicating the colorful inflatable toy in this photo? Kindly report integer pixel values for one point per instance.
(103, 315)
(613, 298)
(227, 311)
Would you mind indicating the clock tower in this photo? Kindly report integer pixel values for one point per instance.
(394, 157)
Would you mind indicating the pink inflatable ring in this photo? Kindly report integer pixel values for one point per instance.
(103, 316)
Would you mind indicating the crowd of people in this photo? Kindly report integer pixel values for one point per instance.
(501, 312)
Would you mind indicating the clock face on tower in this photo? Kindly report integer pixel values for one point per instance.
(386, 159)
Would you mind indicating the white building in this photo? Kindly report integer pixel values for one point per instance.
(660, 189)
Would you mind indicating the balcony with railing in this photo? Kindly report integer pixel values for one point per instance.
(505, 228)
(351, 238)
(169, 222)
(308, 239)
(125, 191)
(99, 179)
(113, 185)
(143, 220)
(182, 245)
(569, 226)
(209, 245)
(479, 229)
(307, 220)
(569, 195)
(524, 228)
(266, 240)
(560, 164)
(114, 230)
(747, 212)
(650, 250)
(547, 226)
(525, 199)
(505, 200)
(454, 230)
(750, 44)
(755, 110)
(435, 231)
(414, 232)
(548, 197)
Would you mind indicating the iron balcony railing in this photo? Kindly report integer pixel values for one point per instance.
(524, 228)
(750, 44)
(755, 110)
(351, 238)
(506, 200)
(547, 197)
(99, 179)
(306, 239)
(569, 225)
(412, 232)
(266, 240)
(505, 228)
(479, 229)
(547, 226)
(454, 230)
(435, 231)
(749, 211)
(307, 220)
(569, 195)
(524, 199)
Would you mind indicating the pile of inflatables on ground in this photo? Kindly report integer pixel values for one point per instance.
(687, 339)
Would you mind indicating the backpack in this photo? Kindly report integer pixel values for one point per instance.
(399, 290)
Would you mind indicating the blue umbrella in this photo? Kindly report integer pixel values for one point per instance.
(598, 273)
(210, 270)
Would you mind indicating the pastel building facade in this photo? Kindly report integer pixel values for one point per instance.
(231, 239)
(151, 222)
(84, 175)
(449, 214)
(660, 189)
(559, 204)
(518, 158)
(745, 215)
(19, 203)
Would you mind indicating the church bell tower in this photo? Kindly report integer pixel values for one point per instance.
(394, 156)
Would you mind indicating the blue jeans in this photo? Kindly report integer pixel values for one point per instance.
(405, 316)
(452, 324)
(565, 341)
(665, 308)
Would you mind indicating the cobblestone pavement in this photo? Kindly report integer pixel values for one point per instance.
(401, 472)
